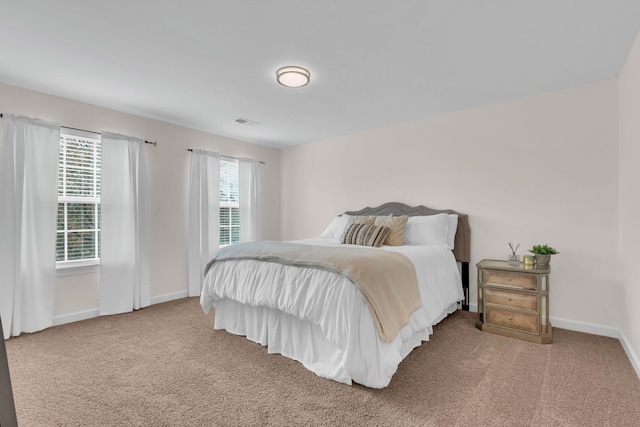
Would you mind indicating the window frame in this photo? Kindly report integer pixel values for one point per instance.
(88, 265)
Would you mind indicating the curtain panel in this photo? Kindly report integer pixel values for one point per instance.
(125, 283)
(204, 215)
(28, 211)
(249, 182)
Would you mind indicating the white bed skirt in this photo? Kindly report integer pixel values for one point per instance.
(301, 340)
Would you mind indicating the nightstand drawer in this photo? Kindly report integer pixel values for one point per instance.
(511, 319)
(511, 280)
(511, 299)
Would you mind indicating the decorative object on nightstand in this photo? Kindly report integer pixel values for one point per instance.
(514, 301)
(543, 254)
(529, 260)
(514, 259)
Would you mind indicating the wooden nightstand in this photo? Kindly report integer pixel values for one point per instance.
(514, 301)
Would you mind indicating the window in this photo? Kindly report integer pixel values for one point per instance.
(78, 240)
(229, 203)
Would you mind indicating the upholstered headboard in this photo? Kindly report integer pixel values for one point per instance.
(462, 243)
(462, 247)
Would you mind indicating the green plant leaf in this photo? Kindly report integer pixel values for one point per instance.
(543, 250)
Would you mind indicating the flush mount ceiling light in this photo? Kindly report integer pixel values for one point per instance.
(293, 76)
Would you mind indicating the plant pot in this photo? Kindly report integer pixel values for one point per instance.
(543, 260)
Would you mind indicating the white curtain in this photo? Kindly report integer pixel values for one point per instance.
(204, 215)
(124, 256)
(28, 211)
(249, 182)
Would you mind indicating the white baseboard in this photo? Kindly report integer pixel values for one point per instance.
(473, 307)
(633, 357)
(169, 297)
(76, 317)
(95, 312)
(589, 328)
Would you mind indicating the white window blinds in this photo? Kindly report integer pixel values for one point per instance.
(79, 181)
(229, 203)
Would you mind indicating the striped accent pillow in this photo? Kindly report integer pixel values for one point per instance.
(365, 235)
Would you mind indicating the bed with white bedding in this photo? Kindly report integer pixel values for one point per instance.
(319, 318)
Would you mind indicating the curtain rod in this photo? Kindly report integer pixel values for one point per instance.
(230, 157)
(155, 144)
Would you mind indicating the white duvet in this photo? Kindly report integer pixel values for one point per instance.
(320, 319)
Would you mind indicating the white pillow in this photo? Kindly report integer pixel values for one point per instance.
(428, 230)
(336, 227)
(451, 232)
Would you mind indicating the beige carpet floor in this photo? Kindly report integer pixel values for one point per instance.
(166, 366)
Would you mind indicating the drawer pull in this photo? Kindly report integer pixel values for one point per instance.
(504, 286)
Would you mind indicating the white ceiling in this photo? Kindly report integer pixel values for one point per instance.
(204, 63)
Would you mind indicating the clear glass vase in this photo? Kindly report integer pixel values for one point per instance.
(514, 260)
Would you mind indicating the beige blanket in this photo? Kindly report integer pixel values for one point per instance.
(387, 280)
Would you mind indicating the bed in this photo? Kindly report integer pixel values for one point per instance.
(319, 318)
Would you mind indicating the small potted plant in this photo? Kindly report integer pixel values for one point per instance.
(543, 254)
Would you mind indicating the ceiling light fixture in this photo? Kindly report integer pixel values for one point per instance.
(292, 76)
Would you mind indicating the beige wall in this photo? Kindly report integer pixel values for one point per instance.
(168, 168)
(542, 169)
(629, 116)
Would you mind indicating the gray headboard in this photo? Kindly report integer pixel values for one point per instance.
(462, 244)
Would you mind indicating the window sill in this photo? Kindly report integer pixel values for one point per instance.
(77, 268)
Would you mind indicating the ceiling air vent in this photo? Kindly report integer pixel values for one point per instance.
(246, 122)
